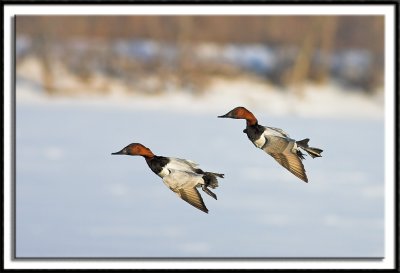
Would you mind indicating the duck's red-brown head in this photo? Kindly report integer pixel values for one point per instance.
(135, 149)
(241, 113)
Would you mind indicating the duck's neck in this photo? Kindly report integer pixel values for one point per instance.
(250, 118)
(251, 121)
(148, 158)
(146, 153)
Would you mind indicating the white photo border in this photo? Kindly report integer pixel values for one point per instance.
(387, 9)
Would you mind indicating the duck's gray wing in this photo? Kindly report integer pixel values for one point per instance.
(193, 197)
(279, 130)
(184, 185)
(182, 164)
(281, 150)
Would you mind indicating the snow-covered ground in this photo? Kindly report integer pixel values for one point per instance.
(73, 199)
(351, 64)
(329, 101)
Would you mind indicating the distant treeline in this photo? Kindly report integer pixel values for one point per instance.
(337, 31)
(310, 35)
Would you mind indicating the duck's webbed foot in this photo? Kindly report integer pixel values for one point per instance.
(210, 193)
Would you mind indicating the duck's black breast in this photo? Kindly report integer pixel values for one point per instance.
(254, 132)
(157, 163)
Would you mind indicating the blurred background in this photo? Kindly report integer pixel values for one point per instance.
(87, 86)
(154, 54)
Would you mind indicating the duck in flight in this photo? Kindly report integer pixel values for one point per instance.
(180, 175)
(276, 142)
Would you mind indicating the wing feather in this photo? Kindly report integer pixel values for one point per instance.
(279, 130)
(181, 164)
(193, 197)
(184, 185)
(281, 150)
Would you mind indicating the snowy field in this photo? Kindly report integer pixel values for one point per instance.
(73, 199)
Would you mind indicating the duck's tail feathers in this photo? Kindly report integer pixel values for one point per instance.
(210, 179)
(312, 151)
(221, 175)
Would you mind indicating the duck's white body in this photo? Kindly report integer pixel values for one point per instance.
(183, 177)
(180, 175)
(276, 142)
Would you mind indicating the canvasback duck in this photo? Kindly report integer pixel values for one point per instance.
(276, 142)
(180, 175)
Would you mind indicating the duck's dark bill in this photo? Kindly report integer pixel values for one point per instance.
(122, 152)
(224, 116)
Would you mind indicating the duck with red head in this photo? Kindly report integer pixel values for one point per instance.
(241, 113)
(136, 149)
(180, 175)
(276, 142)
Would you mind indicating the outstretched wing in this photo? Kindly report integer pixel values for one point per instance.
(280, 131)
(184, 185)
(281, 150)
(193, 197)
(181, 164)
